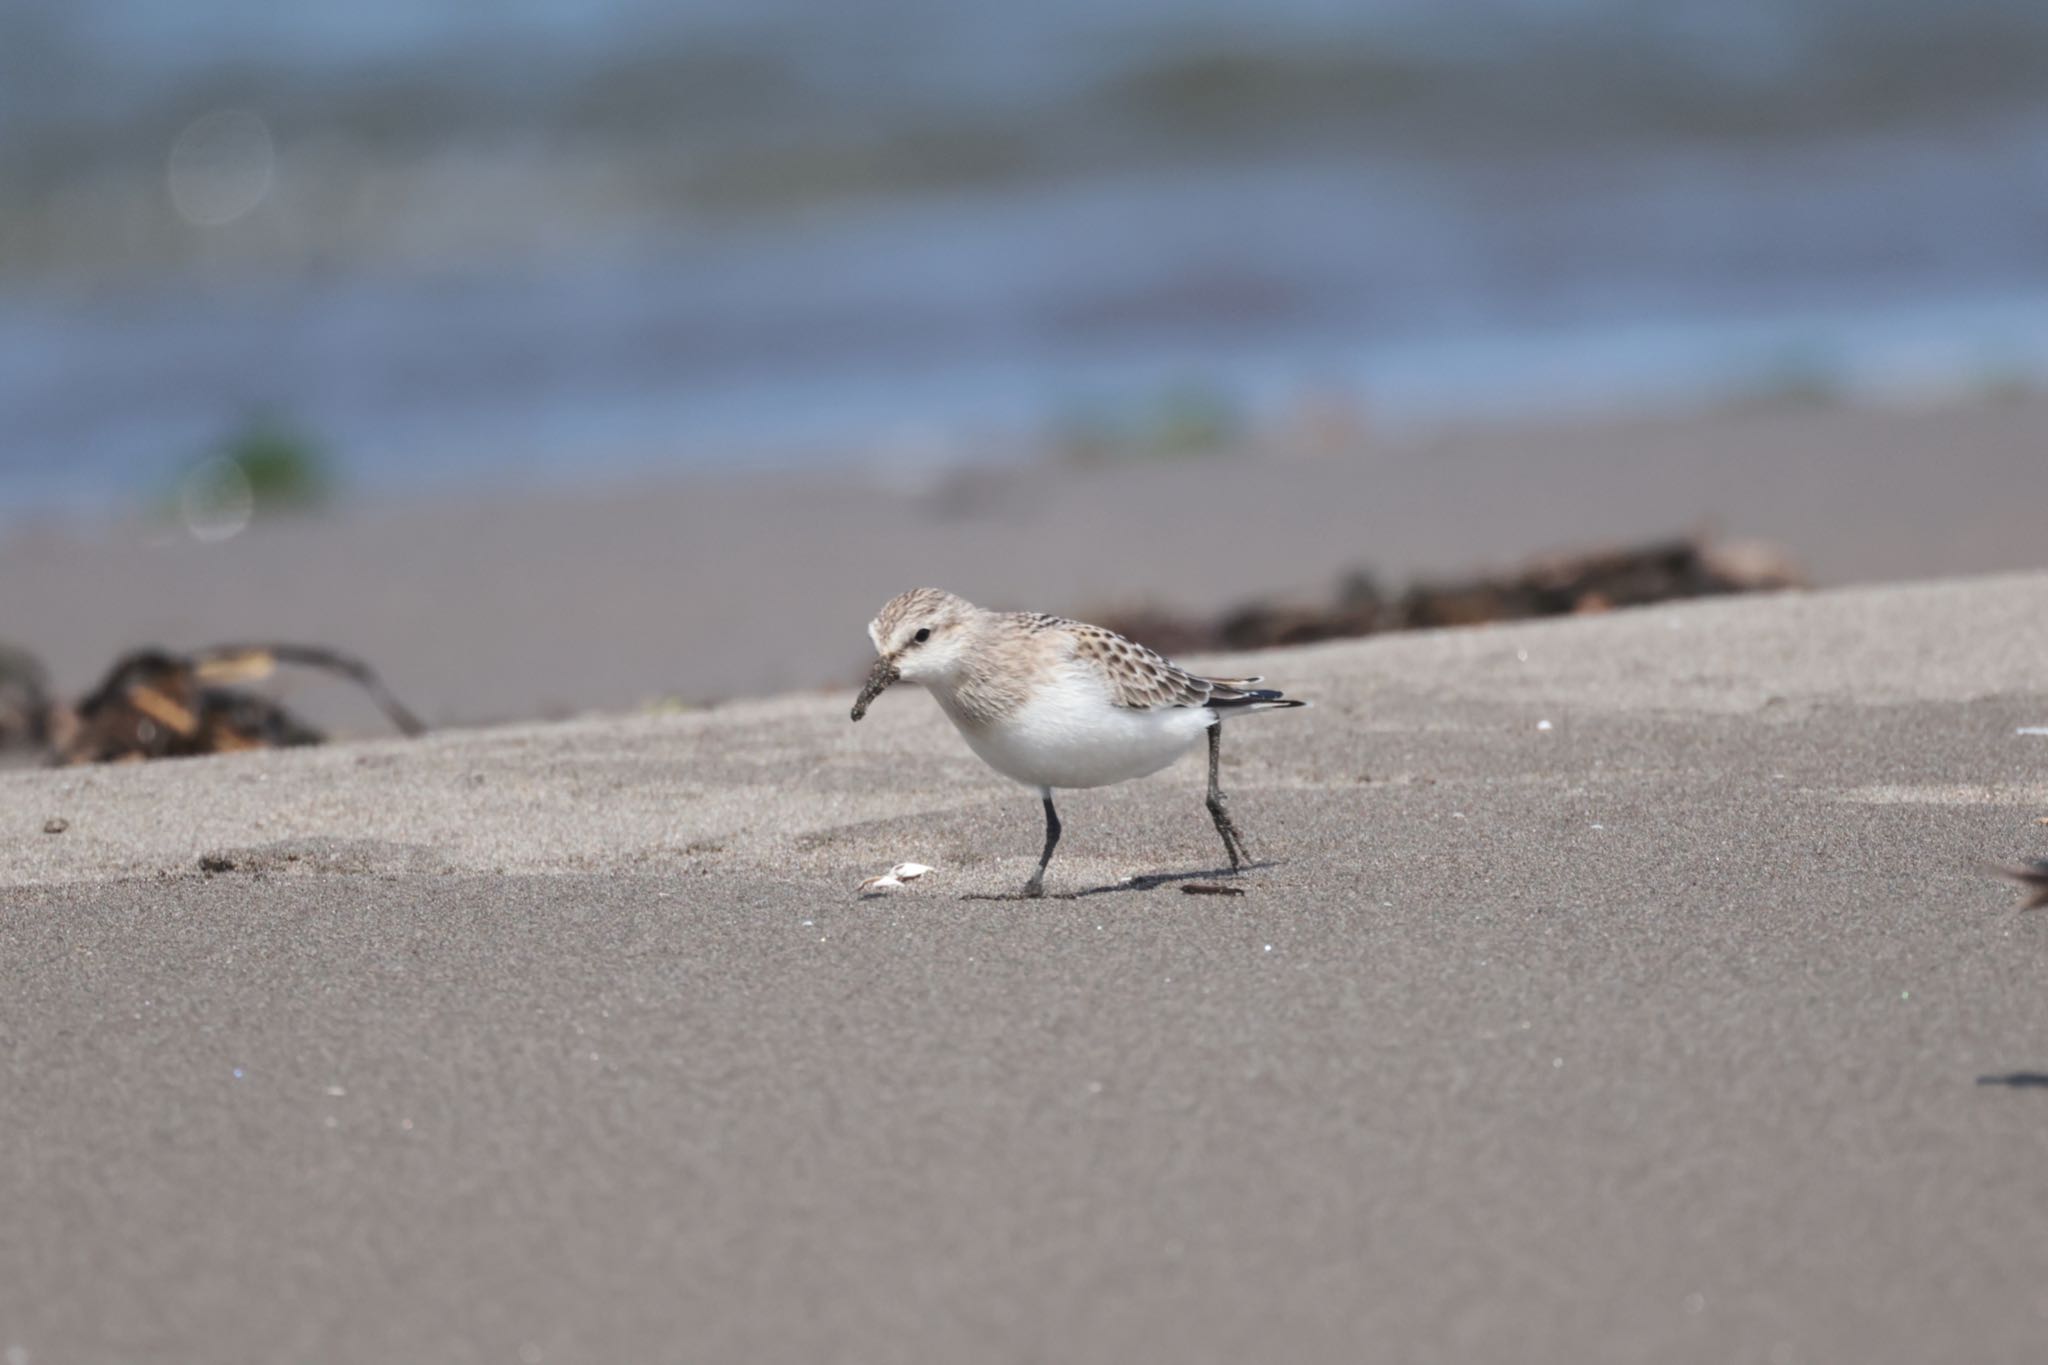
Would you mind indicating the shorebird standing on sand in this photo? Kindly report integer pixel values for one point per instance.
(1056, 703)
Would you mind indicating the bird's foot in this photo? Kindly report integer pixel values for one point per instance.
(1226, 830)
(1025, 895)
(1233, 843)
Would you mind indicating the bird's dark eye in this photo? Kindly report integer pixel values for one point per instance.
(923, 633)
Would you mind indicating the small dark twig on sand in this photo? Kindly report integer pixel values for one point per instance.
(2032, 878)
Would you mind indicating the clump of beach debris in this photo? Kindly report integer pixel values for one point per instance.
(157, 704)
(1553, 585)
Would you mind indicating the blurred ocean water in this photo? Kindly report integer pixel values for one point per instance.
(573, 240)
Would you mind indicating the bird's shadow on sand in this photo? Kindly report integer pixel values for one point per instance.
(2018, 1080)
(1151, 881)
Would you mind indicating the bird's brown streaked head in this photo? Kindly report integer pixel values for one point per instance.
(918, 636)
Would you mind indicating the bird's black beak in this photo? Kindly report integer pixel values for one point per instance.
(879, 678)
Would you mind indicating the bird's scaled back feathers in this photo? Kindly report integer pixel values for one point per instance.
(1141, 679)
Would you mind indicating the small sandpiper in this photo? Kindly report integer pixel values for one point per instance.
(1054, 703)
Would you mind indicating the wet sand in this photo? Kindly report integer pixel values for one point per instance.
(1609, 989)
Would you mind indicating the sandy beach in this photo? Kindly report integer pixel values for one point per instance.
(450, 456)
(1617, 988)
(499, 607)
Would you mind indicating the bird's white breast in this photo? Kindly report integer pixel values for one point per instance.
(1069, 733)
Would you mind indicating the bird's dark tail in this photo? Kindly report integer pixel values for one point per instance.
(1232, 694)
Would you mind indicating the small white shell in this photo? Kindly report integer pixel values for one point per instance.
(895, 876)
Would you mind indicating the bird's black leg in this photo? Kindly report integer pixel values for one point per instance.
(1219, 804)
(1036, 886)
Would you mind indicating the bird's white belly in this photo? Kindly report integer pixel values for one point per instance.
(1074, 737)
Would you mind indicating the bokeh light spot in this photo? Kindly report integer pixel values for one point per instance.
(221, 166)
(215, 500)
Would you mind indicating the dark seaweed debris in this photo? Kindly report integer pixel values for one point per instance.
(1553, 585)
(156, 704)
